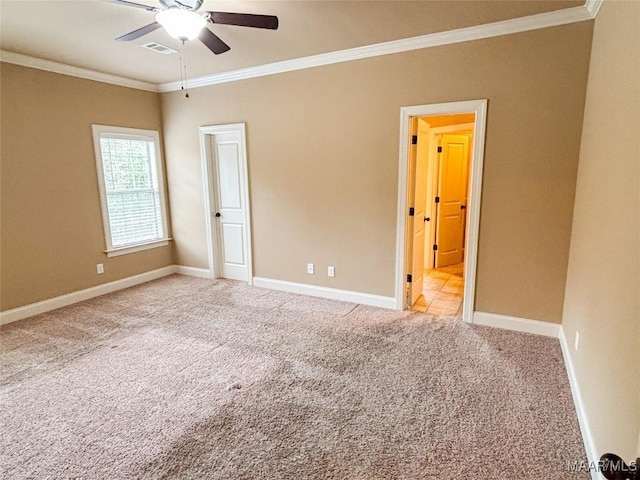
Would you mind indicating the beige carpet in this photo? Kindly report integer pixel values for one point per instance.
(191, 378)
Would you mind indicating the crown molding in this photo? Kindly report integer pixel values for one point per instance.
(55, 67)
(593, 7)
(478, 32)
(588, 11)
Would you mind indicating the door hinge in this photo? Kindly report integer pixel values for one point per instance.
(435, 248)
(437, 199)
(439, 149)
(409, 279)
(414, 139)
(411, 212)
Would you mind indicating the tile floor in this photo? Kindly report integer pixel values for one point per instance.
(442, 291)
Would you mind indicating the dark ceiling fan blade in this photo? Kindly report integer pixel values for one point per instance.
(213, 42)
(139, 32)
(244, 20)
(134, 4)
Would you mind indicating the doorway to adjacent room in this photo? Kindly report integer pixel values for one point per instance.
(438, 207)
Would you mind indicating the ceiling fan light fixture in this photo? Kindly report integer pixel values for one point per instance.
(180, 23)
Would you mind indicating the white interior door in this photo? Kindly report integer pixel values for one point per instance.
(430, 206)
(229, 204)
(452, 190)
(419, 203)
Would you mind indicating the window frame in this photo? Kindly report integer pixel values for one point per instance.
(134, 134)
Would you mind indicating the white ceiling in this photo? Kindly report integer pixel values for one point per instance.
(81, 33)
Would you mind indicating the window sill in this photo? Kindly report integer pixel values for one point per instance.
(115, 252)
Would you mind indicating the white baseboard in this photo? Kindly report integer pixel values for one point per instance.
(517, 324)
(74, 297)
(585, 429)
(193, 271)
(326, 292)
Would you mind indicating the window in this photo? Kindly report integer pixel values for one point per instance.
(131, 189)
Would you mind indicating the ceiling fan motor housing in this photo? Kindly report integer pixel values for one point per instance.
(181, 20)
(192, 4)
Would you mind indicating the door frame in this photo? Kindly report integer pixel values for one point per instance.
(479, 108)
(208, 183)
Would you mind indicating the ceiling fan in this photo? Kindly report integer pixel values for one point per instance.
(181, 20)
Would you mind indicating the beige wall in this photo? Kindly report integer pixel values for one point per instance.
(323, 163)
(603, 282)
(52, 235)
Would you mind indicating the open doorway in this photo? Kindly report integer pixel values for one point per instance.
(441, 155)
(446, 154)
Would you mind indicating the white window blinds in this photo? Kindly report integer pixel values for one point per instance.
(131, 188)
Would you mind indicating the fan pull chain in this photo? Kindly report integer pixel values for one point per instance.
(186, 87)
(183, 76)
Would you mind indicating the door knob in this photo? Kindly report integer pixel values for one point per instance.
(217, 214)
(462, 207)
(427, 219)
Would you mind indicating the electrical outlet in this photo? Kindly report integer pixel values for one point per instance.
(100, 268)
(576, 341)
(331, 271)
(310, 268)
